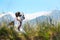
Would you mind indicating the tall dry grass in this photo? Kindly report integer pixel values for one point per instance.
(40, 31)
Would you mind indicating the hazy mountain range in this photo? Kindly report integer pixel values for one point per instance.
(32, 17)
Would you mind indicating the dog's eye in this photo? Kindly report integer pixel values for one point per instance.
(20, 15)
(23, 15)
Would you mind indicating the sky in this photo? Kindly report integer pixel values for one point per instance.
(29, 6)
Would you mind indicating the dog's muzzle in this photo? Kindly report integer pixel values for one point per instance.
(23, 17)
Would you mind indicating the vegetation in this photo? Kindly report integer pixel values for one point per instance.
(40, 31)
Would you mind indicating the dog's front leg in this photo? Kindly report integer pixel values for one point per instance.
(19, 26)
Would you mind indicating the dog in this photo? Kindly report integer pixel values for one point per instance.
(19, 17)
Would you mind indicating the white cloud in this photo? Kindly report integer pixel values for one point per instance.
(37, 14)
(10, 13)
(1, 15)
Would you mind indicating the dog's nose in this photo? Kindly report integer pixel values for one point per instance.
(23, 17)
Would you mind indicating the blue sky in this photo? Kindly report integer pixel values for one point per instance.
(29, 6)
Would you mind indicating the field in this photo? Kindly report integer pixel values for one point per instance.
(40, 31)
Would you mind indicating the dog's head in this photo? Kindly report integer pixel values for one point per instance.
(20, 16)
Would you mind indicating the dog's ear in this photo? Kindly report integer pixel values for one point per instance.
(17, 14)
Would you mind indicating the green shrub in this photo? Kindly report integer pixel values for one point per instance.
(40, 31)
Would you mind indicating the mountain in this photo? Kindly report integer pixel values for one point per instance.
(55, 15)
(6, 17)
(33, 17)
(52, 18)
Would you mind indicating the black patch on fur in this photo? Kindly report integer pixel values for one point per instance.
(17, 14)
(11, 23)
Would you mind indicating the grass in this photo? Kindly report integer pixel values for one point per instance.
(43, 31)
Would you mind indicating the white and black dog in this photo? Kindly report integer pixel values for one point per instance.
(19, 17)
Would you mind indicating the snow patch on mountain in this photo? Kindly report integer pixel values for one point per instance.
(37, 14)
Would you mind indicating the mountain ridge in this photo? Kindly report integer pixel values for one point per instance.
(38, 15)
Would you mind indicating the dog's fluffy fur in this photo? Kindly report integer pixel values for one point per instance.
(18, 20)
